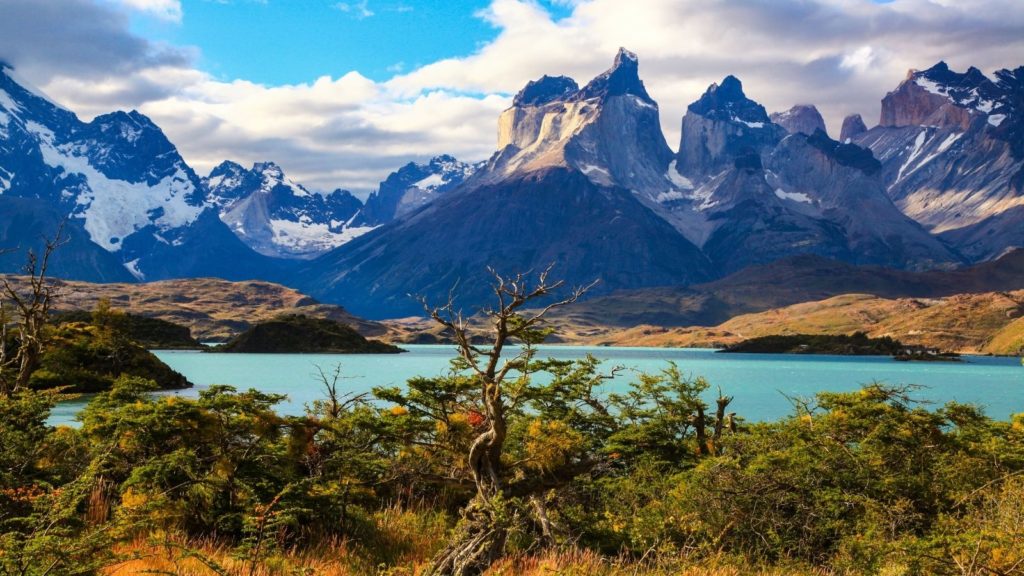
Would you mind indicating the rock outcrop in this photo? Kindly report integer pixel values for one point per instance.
(853, 126)
(800, 119)
(952, 151)
(722, 126)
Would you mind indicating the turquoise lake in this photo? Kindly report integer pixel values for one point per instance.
(759, 382)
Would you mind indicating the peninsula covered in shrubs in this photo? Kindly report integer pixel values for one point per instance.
(856, 344)
(296, 334)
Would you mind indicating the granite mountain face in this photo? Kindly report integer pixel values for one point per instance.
(753, 191)
(561, 189)
(952, 152)
(742, 190)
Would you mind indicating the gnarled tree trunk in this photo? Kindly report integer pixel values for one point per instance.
(486, 521)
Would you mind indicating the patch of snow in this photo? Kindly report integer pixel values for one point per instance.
(703, 197)
(429, 181)
(996, 119)
(5, 181)
(794, 196)
(641, 102)
(597, 174)
(949, 142)
(133, 268)
(114, 209)
(8, 103)
(952, 138)
(677, 179)
(670, 196)
(918, 145)
(273, 177)
(309, 236)
(930, 86)
(748, 124)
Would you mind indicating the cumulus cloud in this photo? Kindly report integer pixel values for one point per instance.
(77, 39)
(163, 9)
(842, 55)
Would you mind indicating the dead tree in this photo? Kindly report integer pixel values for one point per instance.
(22, 332)
(486, 521)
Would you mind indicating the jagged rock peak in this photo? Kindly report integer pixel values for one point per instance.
(726, 101)
(546, 89)
(226, 167)
(622, 78)
(853, 125)
(845, 154)
(942, 74)
(941, 97)
(731, 88)
(270, 169)
(800, 119)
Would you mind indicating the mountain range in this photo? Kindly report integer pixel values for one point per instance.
(583, 178)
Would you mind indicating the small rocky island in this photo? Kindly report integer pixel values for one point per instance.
(298, 334)
(856, 344)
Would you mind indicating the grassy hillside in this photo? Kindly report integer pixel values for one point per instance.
(988, 323)
(214, 309)
(784, 283)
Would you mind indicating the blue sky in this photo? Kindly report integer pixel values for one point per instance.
(287, 42)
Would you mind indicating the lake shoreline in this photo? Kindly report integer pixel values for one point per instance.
(760, 382)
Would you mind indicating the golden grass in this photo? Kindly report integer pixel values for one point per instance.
(401, 543)
(988, 323)
(339, 560)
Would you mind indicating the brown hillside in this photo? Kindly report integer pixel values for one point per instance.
(213, 309)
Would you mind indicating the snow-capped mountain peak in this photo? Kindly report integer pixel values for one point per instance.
(278, 217)
(413, 186)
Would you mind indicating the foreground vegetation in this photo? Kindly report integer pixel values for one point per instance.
(507, 464)
(860, 483)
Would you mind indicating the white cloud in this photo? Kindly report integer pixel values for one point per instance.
(359, 10)
(842, 55)
(859, 60)
(163, 9)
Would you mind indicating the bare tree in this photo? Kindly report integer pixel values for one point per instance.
(481, 537)
(30, 309)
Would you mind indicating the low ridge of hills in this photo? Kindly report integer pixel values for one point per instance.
(214, 310)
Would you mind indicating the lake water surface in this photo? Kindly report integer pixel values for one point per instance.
(759, 382)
